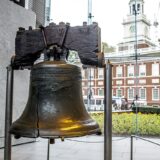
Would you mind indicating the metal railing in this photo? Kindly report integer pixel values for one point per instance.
(131, 52)
(137, 137)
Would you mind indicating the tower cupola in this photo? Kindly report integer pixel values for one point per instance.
(136, 27)
(137, 5)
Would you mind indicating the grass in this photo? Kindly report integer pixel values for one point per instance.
(125, 123)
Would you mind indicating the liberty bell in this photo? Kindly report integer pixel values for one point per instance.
(55, 107)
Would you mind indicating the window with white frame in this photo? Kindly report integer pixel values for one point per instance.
(118, 82)
(92, 73)
(100, 73)
(119, 93)
(155, 80)
(155, 69)
(100, 83)
(142, 93)
(142, 70)
(142, 81)
(131, 81)
(130, 93)
(101, 92)
(130, 71)
(92, 101)
(155, 94)
(133, 9)
(119, 71)
(138, 7)
(90, 93)
(91, 83)
(83, 73)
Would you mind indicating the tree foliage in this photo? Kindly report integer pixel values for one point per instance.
(107, 48)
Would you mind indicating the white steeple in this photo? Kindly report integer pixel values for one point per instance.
(139, 28)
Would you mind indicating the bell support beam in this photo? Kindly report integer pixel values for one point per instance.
(8, 113)
(108, 111)
(85, 39)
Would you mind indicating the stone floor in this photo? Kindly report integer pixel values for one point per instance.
(85, 148)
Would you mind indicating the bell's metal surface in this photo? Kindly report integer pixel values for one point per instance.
(55, 105)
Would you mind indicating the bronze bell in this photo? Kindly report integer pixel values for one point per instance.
(55, 107)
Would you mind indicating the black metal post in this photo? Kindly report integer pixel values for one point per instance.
(108, 112)
(8, 113)
(131, 147)
(48, 150)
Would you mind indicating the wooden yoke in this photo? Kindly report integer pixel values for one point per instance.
(84, 39)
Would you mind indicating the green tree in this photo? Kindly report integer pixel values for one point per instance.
(73, 55)
(107, 48)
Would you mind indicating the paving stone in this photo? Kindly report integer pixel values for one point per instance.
(80, 149)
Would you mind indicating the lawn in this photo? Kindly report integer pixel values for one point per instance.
(125, 123)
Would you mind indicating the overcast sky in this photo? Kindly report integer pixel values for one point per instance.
(108, 13)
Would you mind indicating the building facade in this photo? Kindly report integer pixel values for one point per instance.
(12, 16)
(42, 10)
(141, 81)
(141, 29)
(93, 88)
(136, 65)
(15, 14)
(40, 7)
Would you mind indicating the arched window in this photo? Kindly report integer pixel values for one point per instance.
(138, 8)
(133, 9)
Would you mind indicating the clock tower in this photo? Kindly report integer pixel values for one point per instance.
(141, 27)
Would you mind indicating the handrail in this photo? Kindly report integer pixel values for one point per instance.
(147, 140)
(143, 51)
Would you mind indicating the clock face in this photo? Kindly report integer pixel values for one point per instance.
(132, 29)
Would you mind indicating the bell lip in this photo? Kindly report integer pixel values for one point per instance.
(35, 133)
(89, 127)
(96, 131)
(73, 134)
(31, 133)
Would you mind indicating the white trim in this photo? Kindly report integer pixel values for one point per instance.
(142, 70)
(117, 92)
(140, 93)
(128, 94)
(153, 94)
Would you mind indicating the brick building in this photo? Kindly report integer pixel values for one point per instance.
(130, 78)
(142, 79)
(93, 86)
